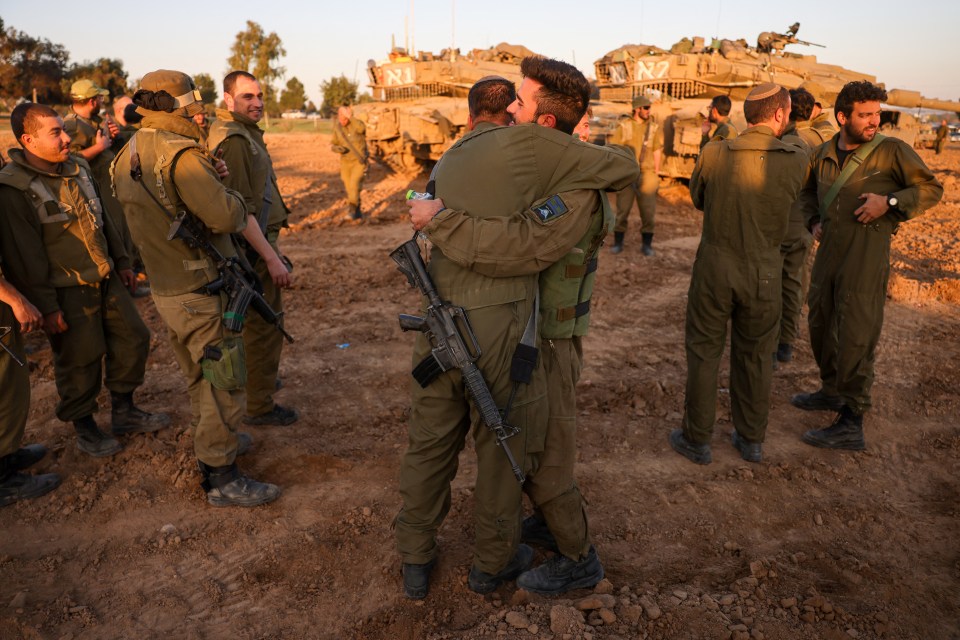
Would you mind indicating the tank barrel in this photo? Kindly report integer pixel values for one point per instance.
(913, 100)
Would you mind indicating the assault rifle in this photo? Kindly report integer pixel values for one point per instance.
(446, 327)
(232, 278)
(3, 333)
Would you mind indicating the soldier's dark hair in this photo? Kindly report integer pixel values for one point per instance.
(757, 111)
(858, 91)
(230, 80)
(801, 105)
(722, 104)
(489, 99)
(565, 92)
(26, 118)
(155, 100)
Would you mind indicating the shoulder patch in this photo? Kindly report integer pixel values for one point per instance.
(553, 207)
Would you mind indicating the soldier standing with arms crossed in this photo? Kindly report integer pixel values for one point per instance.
(860, 187)
(237, 137)
(350, 141)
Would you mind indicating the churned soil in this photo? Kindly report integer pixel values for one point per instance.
(809, 544)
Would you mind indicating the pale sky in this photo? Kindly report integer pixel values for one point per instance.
(905, 44)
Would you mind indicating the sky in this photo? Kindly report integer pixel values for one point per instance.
(905, 44)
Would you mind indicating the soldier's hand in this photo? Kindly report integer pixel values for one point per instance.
(102, 141)
(873, 207)
(221, 168)
(128, 278)
(817, 231)
(423, 211)
(279, 273)
(112, 126)
(28, 316)
(54, 322)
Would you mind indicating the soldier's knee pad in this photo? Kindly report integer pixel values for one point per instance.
(224, 364)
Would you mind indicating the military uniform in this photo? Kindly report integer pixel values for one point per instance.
(522, 165)
(63, 254)
(744, 187)
(821, 127)
(252, 175)
(645, 138)
(943, 135)
(350, 142)
(849, 279)
(15, 382)
(723, 131)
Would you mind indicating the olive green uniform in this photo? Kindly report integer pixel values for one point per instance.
(942, 137)
(210, 356)
(794, 249)
(15, 382)
(723, 131)
(63, 254)
(523, 164)
(645, 138)
(848, 284)
(744, 187)
(821, 127)
(352, 166)
(252, 176)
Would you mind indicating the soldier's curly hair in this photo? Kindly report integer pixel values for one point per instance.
(857, 91)
(722, 104)
(155, 100)
(565, 92)
(801, 105)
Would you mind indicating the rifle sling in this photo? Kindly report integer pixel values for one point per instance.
(853, 163)
(353, 149)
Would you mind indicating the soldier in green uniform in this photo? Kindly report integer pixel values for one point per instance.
(718, 120)
(17, 314)
(860, 187)
(943, 135)
(236, 138)
(350, 141)
(178, 174)
(523, 165)
(820, 128)
(744, 187)
(644, 136)
(67, 257)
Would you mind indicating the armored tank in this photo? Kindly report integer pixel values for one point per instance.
(420, 105)
(681, 82)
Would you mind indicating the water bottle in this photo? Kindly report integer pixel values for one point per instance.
(418, 195)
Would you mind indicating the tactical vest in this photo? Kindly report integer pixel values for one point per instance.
(71, 222)
(567, 285)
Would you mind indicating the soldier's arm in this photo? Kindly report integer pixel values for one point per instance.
(697, 183)
(223, 210)
(337, 143)
(808, 201)
(116, 246)
(27, 315)
(235, 154)
(25, 256)
(522, 243)
(922, 189)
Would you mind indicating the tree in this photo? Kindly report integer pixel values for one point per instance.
(294, 96)
(104, 72)
(336, 93)
(207, 87)
(258, 53)
(28, 64)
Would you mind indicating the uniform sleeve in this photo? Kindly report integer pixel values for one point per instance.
(519, 244)
(235, 154)
(698, 183)
(221, 209)
(808, 201)
(24, 254)
(116, 244)
(922, 189)
(337, 142)
(78, 142)
(657, 142)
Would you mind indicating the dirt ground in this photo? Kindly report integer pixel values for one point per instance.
(808, 544)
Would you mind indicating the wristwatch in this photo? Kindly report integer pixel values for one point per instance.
(892, 201)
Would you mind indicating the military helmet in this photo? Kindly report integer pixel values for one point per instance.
(641, 101)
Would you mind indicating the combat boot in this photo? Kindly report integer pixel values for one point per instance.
(226, 486)
(534, 530)
(617, 242)
(94, 442)
(784, 352)
(698, 453)
(416, 580)
(749, 451)
(356, 214)
(278, 416)
(817, 401)
(482, 582)
(846, 432)
(23, 457)
(244, 443)
(647, 248)
(128, 418)
(560, 574)
(23, 486)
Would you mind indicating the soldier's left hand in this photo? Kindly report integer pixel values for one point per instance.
(221, 168)
(128, 278)
(112, 126)
(873, 207)
(422, 212)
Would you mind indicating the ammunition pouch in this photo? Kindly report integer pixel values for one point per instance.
(224, 364)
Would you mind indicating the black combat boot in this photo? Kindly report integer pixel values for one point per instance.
(278, 416)
(617, 242)
(244, 443)
(23, 486)
(92, 441)
(416, 580)
(698, 453)
(817, 401)
(534, 530)
(846, 432)
(128, 418)
(560, 574)
(749, 451)
(482, 582)
(25, 457)
(226, 486)
(784, 352)
(647, 248)
(356, 214)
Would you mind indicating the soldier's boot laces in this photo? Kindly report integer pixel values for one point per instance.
(534, 530)
(647, 247)
(226, 486)
(846, 432)
(617, 242)
(817, 401)
(278, 416)
(698, 453)
(94, 442)
(483, 582)
(560, 574)
(128, 418)
(749, 451)
(416, 579)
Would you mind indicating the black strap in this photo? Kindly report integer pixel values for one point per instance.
(343, 134)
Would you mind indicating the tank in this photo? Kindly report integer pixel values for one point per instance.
(420, 105)
(681, 82)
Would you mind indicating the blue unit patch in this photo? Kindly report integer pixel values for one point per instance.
(552, 208)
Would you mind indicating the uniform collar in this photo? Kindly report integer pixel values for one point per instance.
(170, 122)
(65, 169)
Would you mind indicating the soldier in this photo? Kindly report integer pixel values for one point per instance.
(861, 186)
(582, 130)
(17, 314)
(349, 140)
(819, 129)
(67, 258)
(126, 128)
(179, 175)
(236, 138)
(943, 135)
(744, 187)
(523, 165)
(645, 137)
(719, 115)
